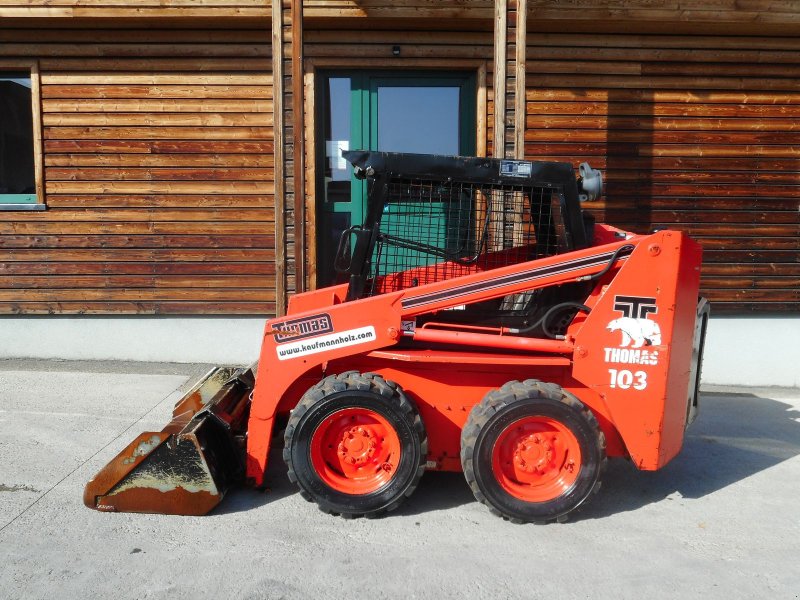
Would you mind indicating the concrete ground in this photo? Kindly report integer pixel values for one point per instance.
(721, 521)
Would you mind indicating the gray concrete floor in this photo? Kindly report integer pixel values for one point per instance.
(721, 521)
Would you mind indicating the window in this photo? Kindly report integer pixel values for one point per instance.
(20, 187)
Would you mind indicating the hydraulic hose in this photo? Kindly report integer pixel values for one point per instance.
(611, 261)
(546, 317)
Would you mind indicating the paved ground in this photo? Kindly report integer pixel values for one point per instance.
(721, 521)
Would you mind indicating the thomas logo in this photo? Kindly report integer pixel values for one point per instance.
(638, 332)
(636, 328)
(297, 329)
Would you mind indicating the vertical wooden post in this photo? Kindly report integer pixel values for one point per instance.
(311, 176)
(38, 152)
(481, 109)
(299, 147)
(278, 142)
(499, 83)
(520, 110)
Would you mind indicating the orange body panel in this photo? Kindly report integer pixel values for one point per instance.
(628, 360)
(648, 408)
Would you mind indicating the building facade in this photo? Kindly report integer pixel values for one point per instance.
(176, 177)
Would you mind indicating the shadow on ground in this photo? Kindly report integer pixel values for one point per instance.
(735, 436)
(436, 491)
(278, 487)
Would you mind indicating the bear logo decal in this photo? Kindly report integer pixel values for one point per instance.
(641, 331)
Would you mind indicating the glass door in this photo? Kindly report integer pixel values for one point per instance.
(418, 112)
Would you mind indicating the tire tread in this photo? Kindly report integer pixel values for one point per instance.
(365, 382)
(507, 394)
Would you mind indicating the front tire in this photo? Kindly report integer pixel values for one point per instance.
(355, 445)
(532, 452)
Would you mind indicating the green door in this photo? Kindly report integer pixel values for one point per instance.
(419, 112)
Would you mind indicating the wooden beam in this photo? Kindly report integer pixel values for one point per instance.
(347, 62)
(519, 78)
(38, 154)
(482, 109)
(280, 221)
(499, 83)
(309, 125)
(299, 151)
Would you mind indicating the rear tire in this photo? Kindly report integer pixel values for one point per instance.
(355, 445)
(532, 452)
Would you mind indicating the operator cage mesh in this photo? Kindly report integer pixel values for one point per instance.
(433, 230)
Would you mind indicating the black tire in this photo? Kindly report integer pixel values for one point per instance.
(353, 390)
(506, 406)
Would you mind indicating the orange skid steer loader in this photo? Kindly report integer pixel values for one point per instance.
(484, 324)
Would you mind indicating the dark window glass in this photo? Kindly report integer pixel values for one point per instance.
(17, 179)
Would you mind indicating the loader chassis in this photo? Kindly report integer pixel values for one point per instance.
(484, 324)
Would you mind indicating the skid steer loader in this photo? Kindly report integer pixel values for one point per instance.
(483, 324)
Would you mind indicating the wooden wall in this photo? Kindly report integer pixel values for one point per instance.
(158, 150)
(95, 9)
(668, 16)
(158, 141)
(695, 133)
(399, 9)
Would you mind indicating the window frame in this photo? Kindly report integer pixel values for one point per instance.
(36, 117)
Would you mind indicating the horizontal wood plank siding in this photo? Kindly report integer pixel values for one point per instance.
(694, 133)
(728, 12)
(135, 9)
(159, 170)
(400, 9)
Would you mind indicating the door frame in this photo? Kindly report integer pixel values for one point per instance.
(364, 117)
(311, 80)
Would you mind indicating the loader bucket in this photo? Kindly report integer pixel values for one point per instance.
(186, 468)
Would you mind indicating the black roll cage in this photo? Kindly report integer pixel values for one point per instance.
(381, 168)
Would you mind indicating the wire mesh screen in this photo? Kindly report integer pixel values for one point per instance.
(432, 230)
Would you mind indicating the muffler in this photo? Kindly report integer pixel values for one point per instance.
(186, 468)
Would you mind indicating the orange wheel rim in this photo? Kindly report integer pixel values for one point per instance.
(536, 459)
(355, 451)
